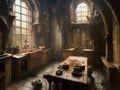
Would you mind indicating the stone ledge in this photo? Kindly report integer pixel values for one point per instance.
(109, 65)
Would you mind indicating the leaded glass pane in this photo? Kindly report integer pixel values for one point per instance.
(22, 25)
(81, 13)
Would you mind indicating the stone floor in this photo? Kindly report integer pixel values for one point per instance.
(98, 81)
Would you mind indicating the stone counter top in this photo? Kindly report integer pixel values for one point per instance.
(20, 55)
(33, 53)
(88, 50)
(6, 55)
(69, 49)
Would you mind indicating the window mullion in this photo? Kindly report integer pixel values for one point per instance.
(20, 24)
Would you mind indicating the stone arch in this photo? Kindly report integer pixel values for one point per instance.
(116, 34)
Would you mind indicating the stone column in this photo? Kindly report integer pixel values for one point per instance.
(56, 34)
(109, 48)
(35, 35)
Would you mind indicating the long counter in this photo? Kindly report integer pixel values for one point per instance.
(5, 70)
(29, 61)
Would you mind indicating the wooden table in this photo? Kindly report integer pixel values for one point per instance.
(67, 81)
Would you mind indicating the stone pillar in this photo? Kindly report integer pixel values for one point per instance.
(116, 42)
(109, 48)
(56, 34)
(35, 36)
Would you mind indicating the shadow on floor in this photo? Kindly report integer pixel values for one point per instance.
(97, 80)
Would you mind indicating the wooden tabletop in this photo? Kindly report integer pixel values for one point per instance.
(67, 73)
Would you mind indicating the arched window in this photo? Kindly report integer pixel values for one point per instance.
(81, 12)
(22, 24)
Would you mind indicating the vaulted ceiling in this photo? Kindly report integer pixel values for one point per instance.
(107, 7)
